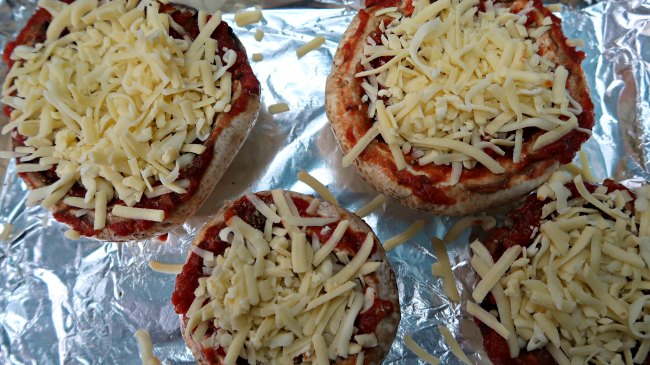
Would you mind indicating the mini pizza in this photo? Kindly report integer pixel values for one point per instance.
(124, 115)
(454, 107)
(567, 282)
(284, 278)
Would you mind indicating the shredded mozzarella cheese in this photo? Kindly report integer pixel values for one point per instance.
(5, 231)
(318, 187)
(165, 268)
(443, 269)
(313, 44)
(278, 108)
(419, 351)
(146, 348)
(409, 233)
(372, 205)
(248, 17)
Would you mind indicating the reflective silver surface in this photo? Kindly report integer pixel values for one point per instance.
(79, 302)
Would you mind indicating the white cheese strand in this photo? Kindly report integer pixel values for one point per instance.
(371, 206)
(318, 187)
(409, 233)
(146, 348)
(419, 351)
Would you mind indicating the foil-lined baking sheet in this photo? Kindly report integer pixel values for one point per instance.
(79, 302)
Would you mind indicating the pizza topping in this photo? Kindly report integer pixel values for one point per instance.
(503, 306)
(71, 234)
(576, 42)
(165, 268)
(372, 205)
(278, 108)
(5, 231)
(489, 319)
(495, 273)
(442, 269)
(121, 105)
(486, 222)
(361, 145)
(146, 348)
(248, 17)
(393, 242)
(282, 296)
(313, 44)
(453, 344)
(138, 213)
(318, 187)
(585, 169)
(419, 351)
(259, 34)
(453, 85)
(578, 290)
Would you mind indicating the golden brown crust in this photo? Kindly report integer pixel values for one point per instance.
(425, 188)
(385, 283)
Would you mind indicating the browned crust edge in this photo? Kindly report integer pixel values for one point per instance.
(386, 285)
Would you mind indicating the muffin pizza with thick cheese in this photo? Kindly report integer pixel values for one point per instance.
(567, 282)
(454, 107)
(125, 114)
(284, 278)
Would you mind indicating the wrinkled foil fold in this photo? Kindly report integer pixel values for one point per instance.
(79, 302)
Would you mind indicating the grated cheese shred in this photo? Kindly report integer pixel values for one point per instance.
(409, 233)
(146, 348)
(371, 206)
(278, 108)
(318, 187)
(419, 351)
(313, 44)
(165, 268)
(248, 17)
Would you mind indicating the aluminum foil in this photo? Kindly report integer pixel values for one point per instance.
(79, 302)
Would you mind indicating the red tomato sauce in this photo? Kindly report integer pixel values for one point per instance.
(497, 350)
(34, 32)
(348, 49)
(382, 3)
(188, 280)
(367, 321)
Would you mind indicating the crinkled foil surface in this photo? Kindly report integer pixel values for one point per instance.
(79, 302)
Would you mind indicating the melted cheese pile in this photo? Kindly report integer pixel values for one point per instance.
(580, 289)
(460, 82)
(275, 296)
(116, 104)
